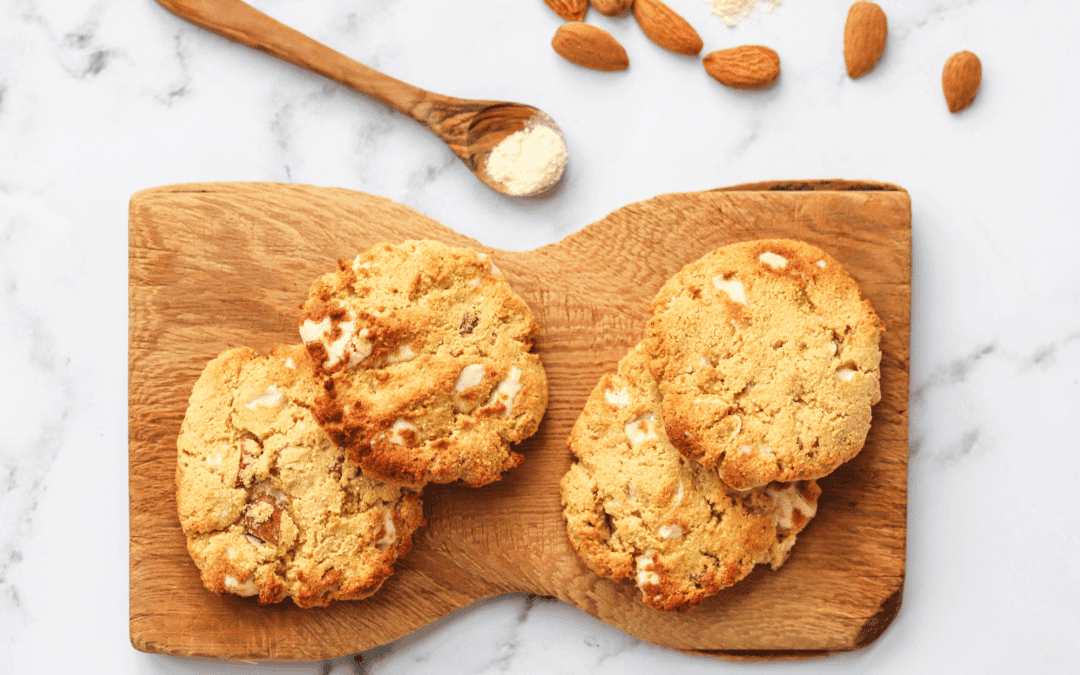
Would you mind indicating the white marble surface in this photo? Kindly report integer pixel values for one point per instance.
(101, 98)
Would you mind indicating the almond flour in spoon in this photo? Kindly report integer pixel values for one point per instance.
(528, 161)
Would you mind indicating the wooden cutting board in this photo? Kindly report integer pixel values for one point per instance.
(220, 265)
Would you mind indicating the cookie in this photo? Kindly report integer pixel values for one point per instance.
(767, 360)
(270, 506)
(429, 373)
(636, 508)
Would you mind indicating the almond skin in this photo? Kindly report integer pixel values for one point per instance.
(589, 46)
(612, 7)
(570, 10)
(864, 37)
(746, 67)
(960, 80)
(666, 28)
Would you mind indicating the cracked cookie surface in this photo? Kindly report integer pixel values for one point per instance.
(767, 360)
(426, 353)
(636, 508)
(269, 505)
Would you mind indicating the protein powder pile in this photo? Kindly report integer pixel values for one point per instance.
(529, 161)
(731, 12)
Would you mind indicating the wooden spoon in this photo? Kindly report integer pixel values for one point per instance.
(470, 128)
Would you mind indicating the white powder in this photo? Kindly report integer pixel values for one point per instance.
(528, 161)
(734, 11)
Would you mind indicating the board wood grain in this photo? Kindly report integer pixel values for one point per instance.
(219, 265)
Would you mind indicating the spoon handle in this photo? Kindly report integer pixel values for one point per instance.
(243, 23)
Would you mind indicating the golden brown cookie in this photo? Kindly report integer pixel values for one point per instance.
(270, 506)
(636, 508)
(426, 350)
(767, 359)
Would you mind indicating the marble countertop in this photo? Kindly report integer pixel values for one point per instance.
(102, 98)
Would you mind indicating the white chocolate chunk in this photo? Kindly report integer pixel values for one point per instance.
(670, 531)
(350, 343)
(641, 429)
(484, 258)
(788, 501)
(271, 398)
(471, 375)
(645, 576)
(773, 260)
(678, 495)
(361, 347)
(617, 397)
(253, 540)
(312, 331)
(508, 389)
(389, 536)
(846, 374)
(396, 430)
(214, 460)
(289, 363)
(404, 353)
(821, 264)
(733, 287)
(246, 589)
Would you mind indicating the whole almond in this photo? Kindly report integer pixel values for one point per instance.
(960, 80)
(611, 7)
(589, 46)
(665, 27)
(571, 10)
(864, 37)
(746, 67)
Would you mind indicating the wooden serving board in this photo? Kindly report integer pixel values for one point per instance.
(220, 265)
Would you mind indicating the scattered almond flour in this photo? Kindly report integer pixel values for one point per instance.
(529, 161)
(731, 12)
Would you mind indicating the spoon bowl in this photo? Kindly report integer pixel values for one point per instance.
(470, 128)
(494, 124)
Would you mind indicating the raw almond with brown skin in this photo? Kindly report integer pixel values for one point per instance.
(589, 46)
(864, 37)
(571, 10)
(612, 7)
(960, 80)
(665, 27)
(746, 67)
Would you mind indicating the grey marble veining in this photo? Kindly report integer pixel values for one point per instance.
(102, 98)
